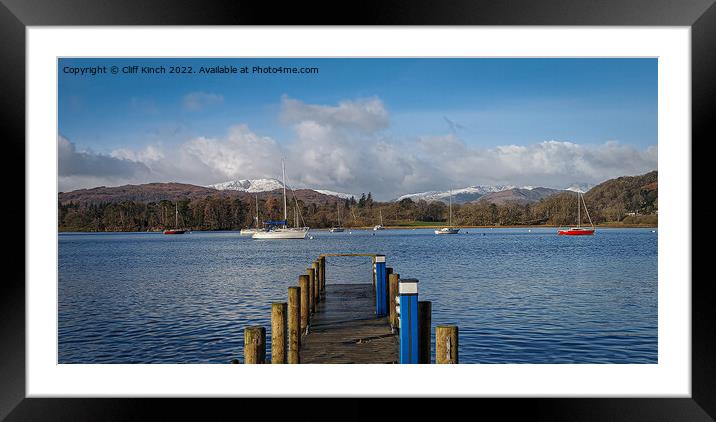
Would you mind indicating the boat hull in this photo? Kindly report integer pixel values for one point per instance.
(281, 234)
(174, 231)
(378, 228)
(447, 231)
(336, 230)
(576, 232)
(250, 232)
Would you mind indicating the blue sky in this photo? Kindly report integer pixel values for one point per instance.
(603, 106)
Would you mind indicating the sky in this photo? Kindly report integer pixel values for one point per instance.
(386, 126)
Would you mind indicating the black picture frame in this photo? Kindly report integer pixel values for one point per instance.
(16, 15)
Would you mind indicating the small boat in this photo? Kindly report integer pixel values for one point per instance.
(339, 228)
(280, 229)
(448, 230)
(579, 230)
(257, 229)
(176, 223)
(379, 226)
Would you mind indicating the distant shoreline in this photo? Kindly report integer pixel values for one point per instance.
(370, 228)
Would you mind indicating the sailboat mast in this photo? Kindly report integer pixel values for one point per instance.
(450, 212)
(257, 210)
(285, 210)
(579, 209)
(176, 216)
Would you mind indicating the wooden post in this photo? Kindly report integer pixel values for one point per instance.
(315, 285)
(254, 344)
(305, 301)
(316, 267)
(446, 344)
(424, 310)
(323, 273)
(386, 293)
(393, 281)
(294, 324)
(312, 280)
(278, 332)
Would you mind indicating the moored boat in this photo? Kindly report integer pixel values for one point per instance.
(257, 229)
(175, 230)
(339, 228)
(280, 229)
(448, 230)
(379, 226)
(579, 230)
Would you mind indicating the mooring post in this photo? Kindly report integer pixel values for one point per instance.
(372, 261)
(388, 272)
(316, 290)
(393, 299)
(314, 287)
(294, 324)
(424, 310)
(316, 265)
(305, 301)
(446, 344)
(278, 332)
(322, 261)
(408, 291)
(380, 286)
(254, 344)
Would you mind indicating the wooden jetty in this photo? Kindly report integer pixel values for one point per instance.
(345, 329)
(336, 323)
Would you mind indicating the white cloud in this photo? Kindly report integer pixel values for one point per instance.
(365, 115)
(341, 148)
(86, 168)
(195, 101)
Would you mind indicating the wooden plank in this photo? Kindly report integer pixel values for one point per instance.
(346, 330)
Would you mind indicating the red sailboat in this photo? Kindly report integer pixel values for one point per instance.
(175, 230)
(579, 230)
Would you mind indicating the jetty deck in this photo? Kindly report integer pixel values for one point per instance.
(338, 323)
(345, 329)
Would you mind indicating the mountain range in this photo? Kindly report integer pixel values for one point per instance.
(246, 188)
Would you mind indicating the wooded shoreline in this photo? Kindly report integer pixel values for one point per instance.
(370, 228)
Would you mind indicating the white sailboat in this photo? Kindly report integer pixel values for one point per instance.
(380, 226)
(339, 228)
(449, 229)
(257, 229)
(280, 229)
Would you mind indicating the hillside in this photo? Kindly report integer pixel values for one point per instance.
(155, 192)
(623, 196)
(623, 199)
(519, 195)
(149, 207)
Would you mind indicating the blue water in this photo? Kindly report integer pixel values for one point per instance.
(518, 296)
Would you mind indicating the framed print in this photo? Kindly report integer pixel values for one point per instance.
(167, 165)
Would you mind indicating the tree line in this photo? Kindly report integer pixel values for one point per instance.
(224, 213)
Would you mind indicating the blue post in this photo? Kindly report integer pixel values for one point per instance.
(380, 284)
(408, 290)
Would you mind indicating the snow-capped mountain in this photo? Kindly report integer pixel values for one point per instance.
(579, 187)
(249, 185)
(266, 185)
(338, 194)
(459, 196)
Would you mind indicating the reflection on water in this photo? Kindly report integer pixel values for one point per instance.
(518, 296)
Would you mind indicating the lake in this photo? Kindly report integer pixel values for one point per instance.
(518, 295)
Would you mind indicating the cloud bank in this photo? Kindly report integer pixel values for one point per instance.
(345, 148)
